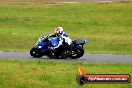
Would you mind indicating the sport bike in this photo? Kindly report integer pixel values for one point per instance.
(43, 45)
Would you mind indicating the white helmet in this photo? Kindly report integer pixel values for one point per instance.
(59, 30)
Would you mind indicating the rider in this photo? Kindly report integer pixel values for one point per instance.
(63, 38)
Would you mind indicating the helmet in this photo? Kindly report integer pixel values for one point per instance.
(59, 30)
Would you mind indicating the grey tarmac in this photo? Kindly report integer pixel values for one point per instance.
(88, 58)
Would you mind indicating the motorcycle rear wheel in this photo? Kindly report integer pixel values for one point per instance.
(77, 53)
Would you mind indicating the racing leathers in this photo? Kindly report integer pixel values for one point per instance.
(62, 39)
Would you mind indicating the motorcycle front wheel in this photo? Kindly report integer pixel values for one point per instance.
(35, 52)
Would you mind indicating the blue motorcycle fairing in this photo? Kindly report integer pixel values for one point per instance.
(43, 46)
(54, 42)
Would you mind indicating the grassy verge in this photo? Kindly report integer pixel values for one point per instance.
(29, 0)
(45, 74)
(106, 26)
(43, 0)
(37, 0)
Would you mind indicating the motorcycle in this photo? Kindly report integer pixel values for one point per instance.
(43, 45)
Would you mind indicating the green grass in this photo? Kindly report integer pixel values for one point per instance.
(25, 0)
(37, 0)
(42, 0)
(106, 26)
(47, 74)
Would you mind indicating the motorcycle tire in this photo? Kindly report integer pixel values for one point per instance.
(35, 52)
(63, 55)
(77, 53)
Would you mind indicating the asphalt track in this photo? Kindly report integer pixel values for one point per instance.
(88, 58)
